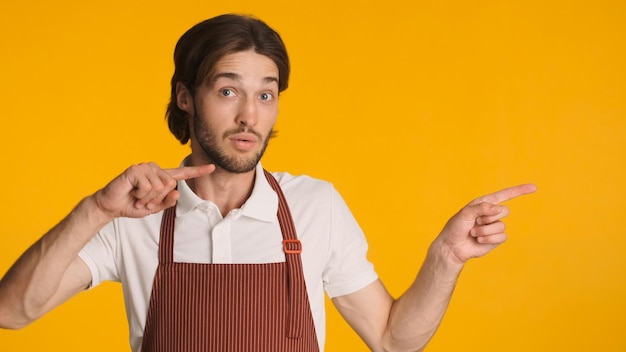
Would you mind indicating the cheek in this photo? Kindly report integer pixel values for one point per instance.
(216, 112)
(269, 114)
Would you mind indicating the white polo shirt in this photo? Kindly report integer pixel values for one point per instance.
(333, 245)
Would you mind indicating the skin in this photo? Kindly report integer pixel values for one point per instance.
(50, 271)
(234, 112)
(243, 89)
(409, 322)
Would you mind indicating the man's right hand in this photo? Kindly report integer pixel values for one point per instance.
(50, 271)
(145, 189)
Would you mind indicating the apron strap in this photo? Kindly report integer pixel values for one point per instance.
(166, 242)
(296, 288)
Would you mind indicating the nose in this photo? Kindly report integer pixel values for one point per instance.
(247, 114)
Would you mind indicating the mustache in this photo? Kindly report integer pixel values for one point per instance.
(246, 129)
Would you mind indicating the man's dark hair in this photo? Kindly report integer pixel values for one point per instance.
(202, 46)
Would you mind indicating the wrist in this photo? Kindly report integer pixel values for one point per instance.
(90, 209)
(443, 256)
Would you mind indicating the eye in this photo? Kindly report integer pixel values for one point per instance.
(267, 96)
(227, 92)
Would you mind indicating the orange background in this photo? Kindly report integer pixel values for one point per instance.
(447, 100)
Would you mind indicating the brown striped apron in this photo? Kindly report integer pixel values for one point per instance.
(198, 307)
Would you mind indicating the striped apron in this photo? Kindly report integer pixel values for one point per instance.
(230, 307)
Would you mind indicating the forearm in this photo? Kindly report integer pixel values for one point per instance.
(40, 277)
(50, 271)
(416, 315)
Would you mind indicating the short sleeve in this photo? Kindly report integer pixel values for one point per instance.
(99, 254)
(348, 269)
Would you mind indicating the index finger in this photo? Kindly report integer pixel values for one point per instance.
(187, 172)
(506, 194)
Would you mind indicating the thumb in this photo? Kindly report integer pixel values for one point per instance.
(473, 211)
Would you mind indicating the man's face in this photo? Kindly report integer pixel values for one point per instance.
(234, 111)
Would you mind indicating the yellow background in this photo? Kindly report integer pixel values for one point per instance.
(410, 110)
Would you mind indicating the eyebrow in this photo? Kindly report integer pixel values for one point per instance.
(237, 77)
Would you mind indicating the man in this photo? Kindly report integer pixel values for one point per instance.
(220, 255)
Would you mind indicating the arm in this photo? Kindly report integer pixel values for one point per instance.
(50, 271)
(408, 323)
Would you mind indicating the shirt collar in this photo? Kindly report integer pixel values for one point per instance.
(261, 205)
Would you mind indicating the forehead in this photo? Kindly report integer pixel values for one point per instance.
(246, 64)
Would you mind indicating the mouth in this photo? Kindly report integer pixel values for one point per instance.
(243, 141)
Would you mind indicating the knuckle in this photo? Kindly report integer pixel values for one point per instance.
(158, 186)
(170, 183)
(485, 206)
(133, 168)
(153, 165)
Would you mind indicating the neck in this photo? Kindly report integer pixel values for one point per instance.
(227, 190)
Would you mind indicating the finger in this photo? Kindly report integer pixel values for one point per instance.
(506, 194)
(488, 230)
(142, 179)
(475, 211)
(494, 239)
(168, 201)
(187, 172)
(164, 197)
(152, 184)
(162, 186)
(484, 220)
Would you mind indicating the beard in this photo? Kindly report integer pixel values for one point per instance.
(209, 142)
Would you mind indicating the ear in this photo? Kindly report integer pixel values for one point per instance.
(184, 100)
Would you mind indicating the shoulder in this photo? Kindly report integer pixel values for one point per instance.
(303, 184)
(317, 199)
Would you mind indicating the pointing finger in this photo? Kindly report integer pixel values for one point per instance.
(187, 172)
(506, 194)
